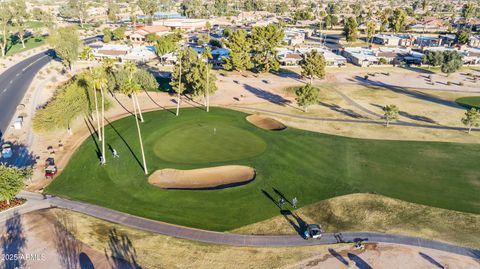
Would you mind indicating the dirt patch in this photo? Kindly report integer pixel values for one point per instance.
(266, 122)
(203, 178)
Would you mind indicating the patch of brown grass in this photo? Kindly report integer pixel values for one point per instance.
(159, 251)
(376, 213)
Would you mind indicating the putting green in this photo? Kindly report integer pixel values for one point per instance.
(208, 142)
(469, 102)
(293, 163)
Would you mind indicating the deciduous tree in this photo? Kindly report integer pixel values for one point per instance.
(240, 45)
(350, 29)
(471, 119)
(265, 40)
(66, 43)
(12, 181)
(313, 65)
(390, 114)
(307, 96)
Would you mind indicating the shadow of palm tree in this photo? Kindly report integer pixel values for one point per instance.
(85, 262)
(68, 248)
(13, 242)
(431, 260)
(411, 93)
(337, 256)
(359, 262)
(411, 116)
(125, 142)
(346, 112)
(121, 252)
(268, 96)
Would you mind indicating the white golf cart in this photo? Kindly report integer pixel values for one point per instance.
(313, 231)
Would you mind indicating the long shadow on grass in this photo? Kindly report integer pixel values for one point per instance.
(121, 253)
(92, 135)
(293, 219)
(407, 92)
(157, 104)
(125, 142)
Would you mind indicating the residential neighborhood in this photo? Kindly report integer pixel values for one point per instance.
(239, 134)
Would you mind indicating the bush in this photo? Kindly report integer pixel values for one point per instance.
(383, 61)
(70, 101)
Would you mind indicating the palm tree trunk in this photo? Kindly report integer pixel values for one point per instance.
(98, 117)
(178, 104)
(139, 136)
(207, 90)
(139, 109)
(103, 127)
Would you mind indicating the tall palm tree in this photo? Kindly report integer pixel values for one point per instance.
(100, 82)
(207, 54)
(131, 88)
(131, 68)
(93, 75)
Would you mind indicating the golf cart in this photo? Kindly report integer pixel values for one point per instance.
(7, 151)
(313, 231)
(50, 168)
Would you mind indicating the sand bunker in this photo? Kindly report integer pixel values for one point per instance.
(204, 178)
(266, 122)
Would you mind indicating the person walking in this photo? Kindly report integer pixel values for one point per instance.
(294, 202)
(115, 153)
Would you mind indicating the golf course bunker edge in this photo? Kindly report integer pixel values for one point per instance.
(265, 122)
(217, 177)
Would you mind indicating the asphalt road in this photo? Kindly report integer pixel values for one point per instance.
(15, 81)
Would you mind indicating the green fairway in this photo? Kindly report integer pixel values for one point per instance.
(295, 163)
(208, 142)
(30, 43)
(469, 102)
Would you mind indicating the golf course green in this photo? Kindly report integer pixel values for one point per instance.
(469, 102)
(293, 163)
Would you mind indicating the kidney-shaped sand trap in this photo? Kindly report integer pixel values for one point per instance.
(203, 178)
(266, 122)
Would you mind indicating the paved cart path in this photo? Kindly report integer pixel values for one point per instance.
(37, 201)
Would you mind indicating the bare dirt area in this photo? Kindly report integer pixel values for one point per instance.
(376, 213)
(43, 240)
(211, 177)
(265, 122)
(385, 256)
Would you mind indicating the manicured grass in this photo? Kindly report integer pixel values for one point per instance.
(30, 43)
(208, 142)
(469, 102)
(308, 165)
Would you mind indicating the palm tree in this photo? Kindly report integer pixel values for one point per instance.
(131, 88)
(100, 81)
(95, 74)
(207, 54)
(131, 68)
(87, 54)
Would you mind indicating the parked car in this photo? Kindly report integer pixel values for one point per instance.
(313, 231)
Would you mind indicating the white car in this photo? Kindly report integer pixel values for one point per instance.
(313, 231)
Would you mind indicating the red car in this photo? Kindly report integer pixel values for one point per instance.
(50, 168)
